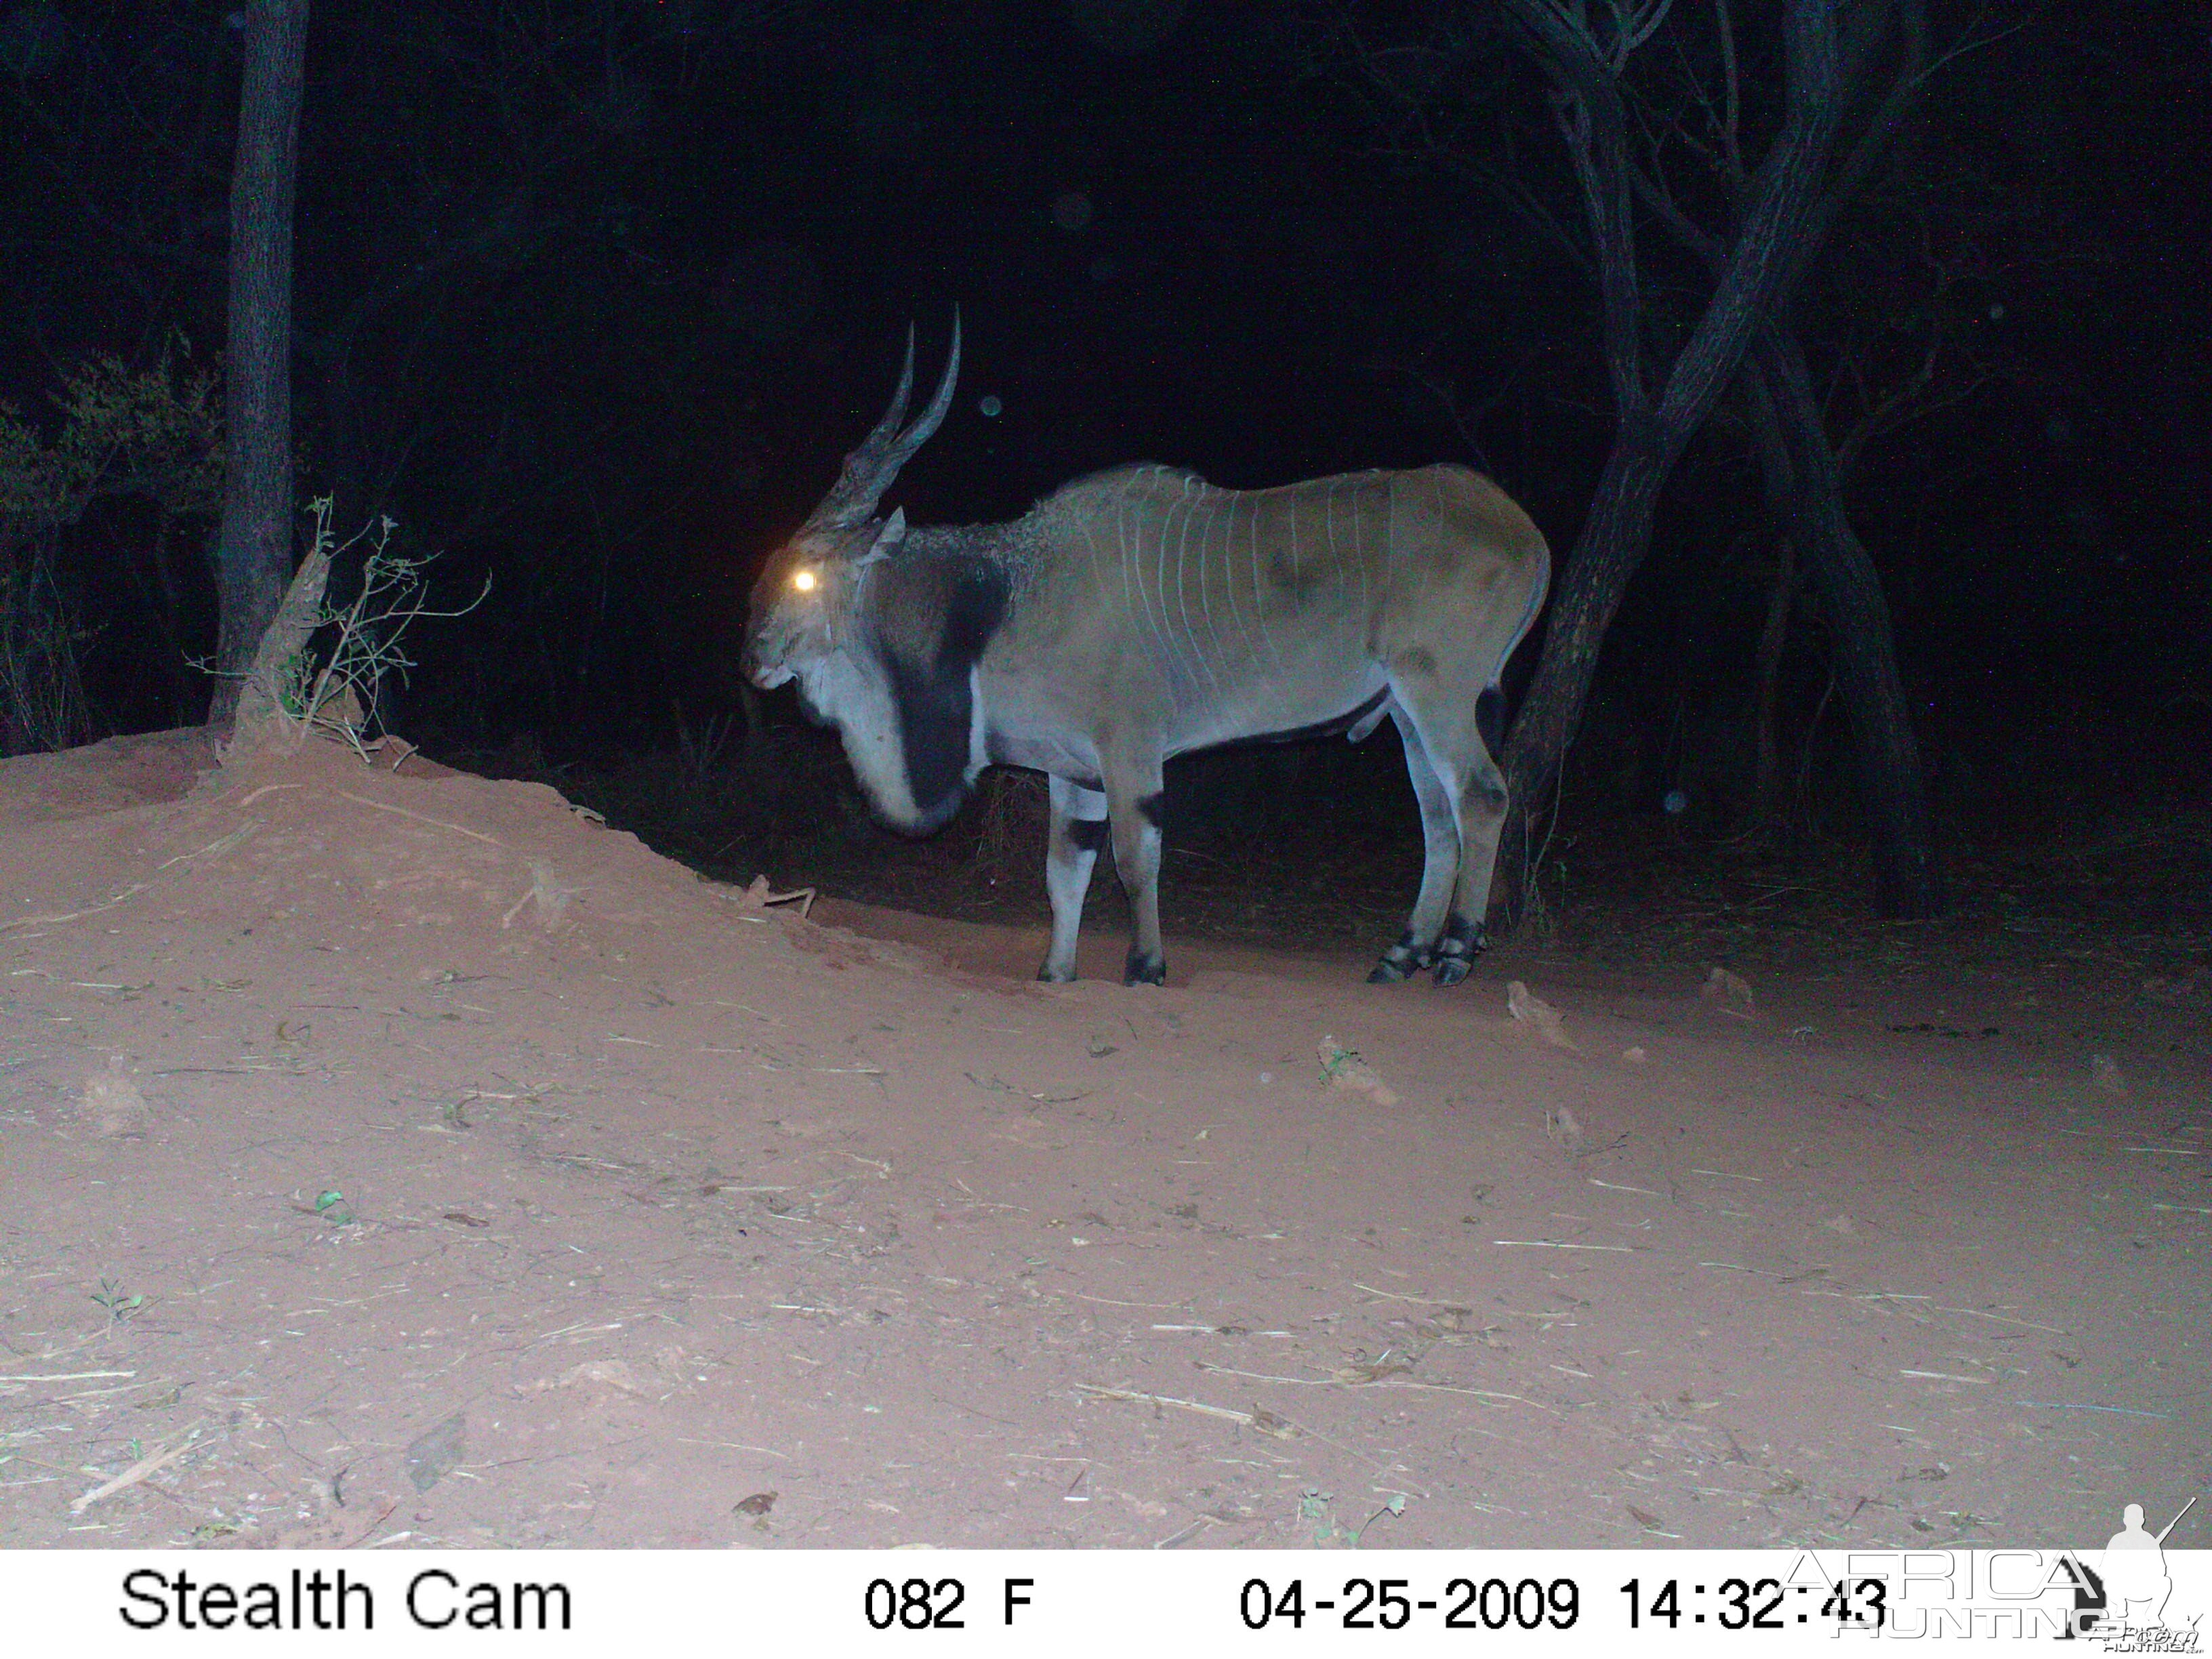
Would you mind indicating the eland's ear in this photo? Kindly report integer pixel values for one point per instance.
(887, 538)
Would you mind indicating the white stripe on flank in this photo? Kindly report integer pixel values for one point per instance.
(1205, 589)
(1160, 579)
(1328, 519)
(1183, 547)
(1159, 528)
(1389, 534)
(1137, 554)
(1228, 574)
(1212, 511)
(1132, 598)
(1182, 600)
(1129, 563)
(1360, 554)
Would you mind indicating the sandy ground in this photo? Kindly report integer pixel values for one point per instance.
(408, 1158)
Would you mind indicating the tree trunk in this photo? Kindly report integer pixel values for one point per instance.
(1750, 279)
(253, 550)
(1766, 793)
(1862, 646)
(1777, 478)
(1615, 538)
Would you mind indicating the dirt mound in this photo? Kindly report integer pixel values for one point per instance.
(103, 777)
(399, 1158)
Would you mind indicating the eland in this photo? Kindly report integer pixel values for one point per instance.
(1141, 613)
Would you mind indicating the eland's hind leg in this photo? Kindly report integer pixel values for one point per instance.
(1483, 801)
(1416, 947)
(1079, 830)
(1455, 734)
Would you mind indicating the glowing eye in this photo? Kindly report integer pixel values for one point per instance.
(804, 581)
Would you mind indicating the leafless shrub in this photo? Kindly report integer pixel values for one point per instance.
(321, 668)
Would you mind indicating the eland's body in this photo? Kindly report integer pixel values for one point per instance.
(1141, 613)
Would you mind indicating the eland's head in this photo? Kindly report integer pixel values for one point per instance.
(883, 642)
(806, 604)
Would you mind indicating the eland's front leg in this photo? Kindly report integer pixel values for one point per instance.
(1079, 830)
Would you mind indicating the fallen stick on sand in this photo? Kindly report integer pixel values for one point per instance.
(144, 1468)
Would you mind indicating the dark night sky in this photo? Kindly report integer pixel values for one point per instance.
(596, 299)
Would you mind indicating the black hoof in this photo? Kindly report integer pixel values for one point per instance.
(1401, 962)
(1047, 976)
(1143, 970)
(1456, 950)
